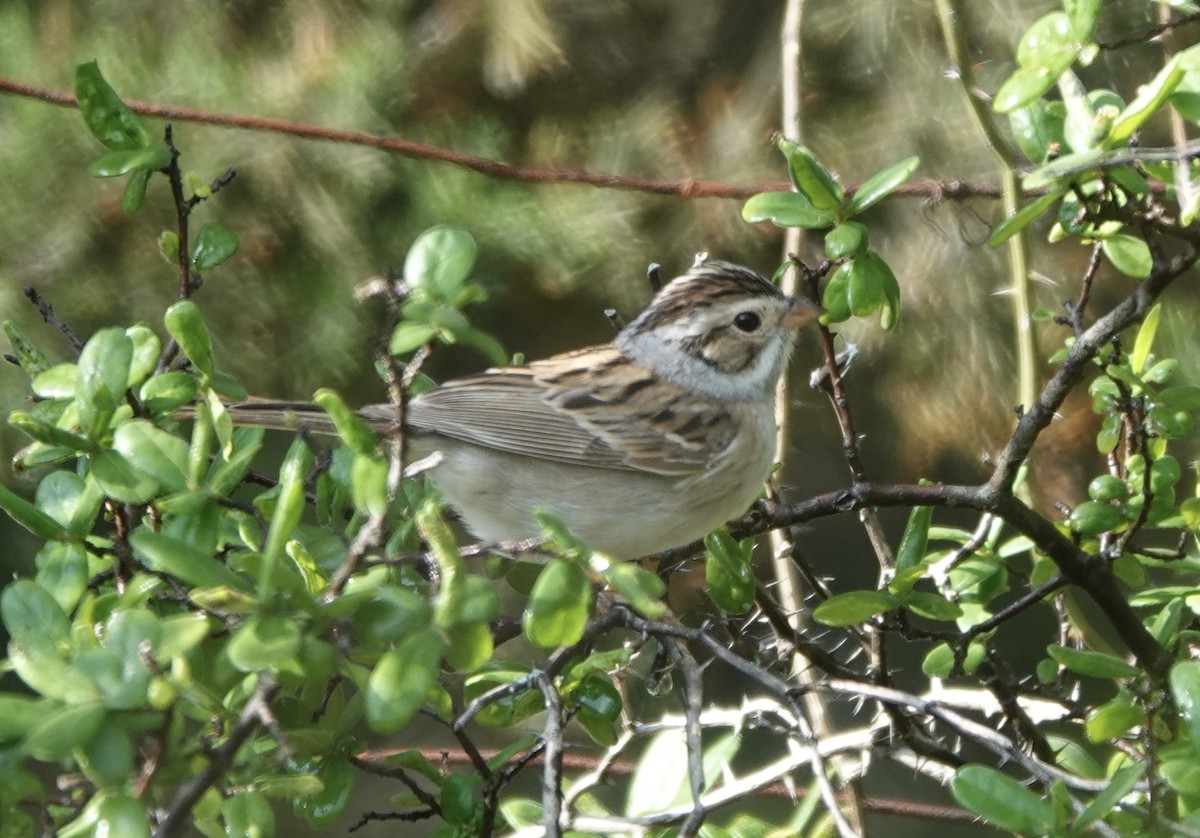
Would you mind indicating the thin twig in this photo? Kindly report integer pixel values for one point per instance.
(685, 189)
(47, 312)
(552, 793)
(693, 697)
(256, 712)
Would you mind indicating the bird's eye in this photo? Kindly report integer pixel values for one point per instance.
(747, 321)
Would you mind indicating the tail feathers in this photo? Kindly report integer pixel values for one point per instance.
(298, 416)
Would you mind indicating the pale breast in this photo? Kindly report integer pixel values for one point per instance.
(626, 514)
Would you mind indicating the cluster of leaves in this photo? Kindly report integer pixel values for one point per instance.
(862, 283)
(1080, 142)
(1134, 208)
(186, 612)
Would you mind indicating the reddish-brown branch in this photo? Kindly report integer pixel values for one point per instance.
(687, 188)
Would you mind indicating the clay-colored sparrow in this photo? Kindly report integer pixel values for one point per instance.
(642, 444)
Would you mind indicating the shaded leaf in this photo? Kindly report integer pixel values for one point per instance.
(1094, 664)
(108, 118)
(1001, 800)
(215, 243)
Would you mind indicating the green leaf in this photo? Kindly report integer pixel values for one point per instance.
(350, 427)
(1150, 98)
(469, 646)
(121, 815)
(661, 775)
(854, 607)
(599, 707)
(939, 661)
(163, 394)
(18, 713)
(932, 606)
(786, 209)
(165, 554)
(63, 571)
(1185, 689)
(134, 195)
(1038, 127)
(32, 616)
(1113, 718)
(1145, 339)
(914, 541)
(845, 240)
(108, 118)
(639, 586)
(104, 366)
(1120, 784)
(389, 616)
(1181, 772)
(31, 359)
(146, 350)
(559, 605)
(835, 298)
(408, 337)
(289, 506)
(1049, 44)
(865, 289)
(1023, 217)
(728, 572)
(508, 710)
(154, 452)
(453, 589)
(881, 184)
(485, 343)
(56, 734)
(810, 177)
(168, 247)
(1023, 87)
(46, 433)
(401, 680)
(1129, 254)
(1001, 800)
(1091, 663)
(185, 323)
(265, 643)
(215, 243)
(328, 805)
(118, 163)
(368, 484)
(29, 516)
(1093, 518)
(249, 814)
(1083, 16)
(439, 262)
(118, 479)
(107, 758)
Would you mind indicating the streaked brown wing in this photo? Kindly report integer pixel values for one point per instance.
(589, 407)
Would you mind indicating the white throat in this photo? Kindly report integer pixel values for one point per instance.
(654, 350)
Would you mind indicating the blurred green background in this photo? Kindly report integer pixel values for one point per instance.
(672, 89)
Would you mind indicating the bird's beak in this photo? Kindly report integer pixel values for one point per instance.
(801, 313)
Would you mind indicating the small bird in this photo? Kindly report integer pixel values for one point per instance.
(639, 445)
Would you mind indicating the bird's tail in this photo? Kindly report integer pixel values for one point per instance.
(297, 416)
